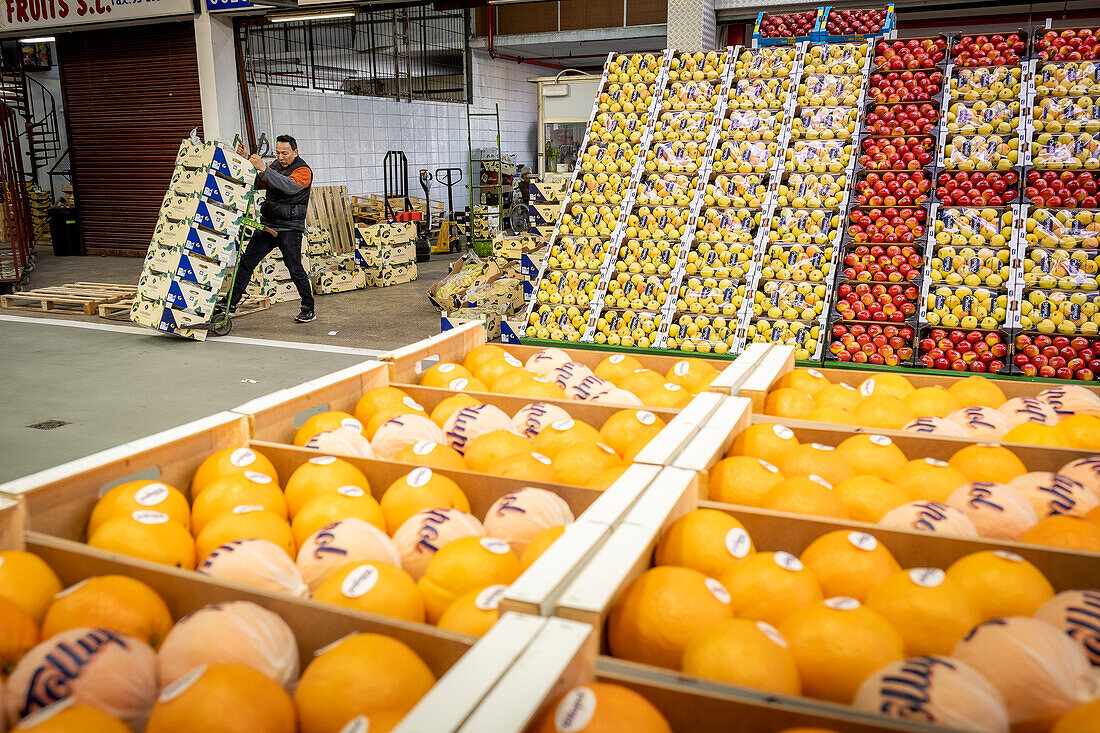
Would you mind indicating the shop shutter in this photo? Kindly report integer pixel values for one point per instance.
(130, 96)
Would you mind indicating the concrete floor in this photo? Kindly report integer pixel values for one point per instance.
(374, 318)
(114, 382)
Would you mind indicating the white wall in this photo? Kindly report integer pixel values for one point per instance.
(345, 138)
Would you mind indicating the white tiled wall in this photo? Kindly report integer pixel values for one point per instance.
(345, 138)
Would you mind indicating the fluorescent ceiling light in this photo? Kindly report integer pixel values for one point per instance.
(42, 39)
(293, 18)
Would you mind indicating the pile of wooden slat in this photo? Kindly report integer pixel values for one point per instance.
(330, 208)
(82, 297)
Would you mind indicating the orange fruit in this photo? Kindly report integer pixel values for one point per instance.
(872, 455)
(28, 582)
(540, 544)
(929, 610)
(807, 381)
(816, 459)
(604, 708)
(463, 565)
(509, 380)
(848, 563)
(1036, 434)
(883, 412)
(431, 454)
(1001, 583)
(706, 540)
(135, 496)
(768, 586)
(220, 698)
(471, 383)
(869, 498)
(641, 381)
(528, 467)
(691, 374)
(742, 480)
(473, 613)
(115, 602)
(18, 635)
(238, 489)
(629, 427)
(563, 434)
(1070, 533)
(977, 391)
(317, 475)
(764, 440)
(493, 369)
(747, 653)
(1085, 718)
(932, 402)
(984, 462)
(450, 406)
(326, 421)
(617, 367)
(603, 480)
(886, 384)
(788, 402)
(148, 535)
(374, 587)
(68, 716)
(378, 399)
(841, 395)
(349, 502)
(1081, 432)
(661, 611)
(486, 451)
(801, 495)
(371, 675)
(230, 460)
(244, 523)
(830, 414)
(928, 478)
(667, 396)
(576, 464)
(837, 644)
(443, 374)
(481, 354)
(537, 388)
(416, 491)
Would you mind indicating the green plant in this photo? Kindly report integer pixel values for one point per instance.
(552, 153)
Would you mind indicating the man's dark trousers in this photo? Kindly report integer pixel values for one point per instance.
(290, 244)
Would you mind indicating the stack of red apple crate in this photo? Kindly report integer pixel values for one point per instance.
(874, 316)
(1058, 336)
(970, 296)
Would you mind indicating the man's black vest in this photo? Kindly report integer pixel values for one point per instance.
(286, 212)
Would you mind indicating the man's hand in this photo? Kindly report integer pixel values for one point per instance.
(241, 150)
(258, 163)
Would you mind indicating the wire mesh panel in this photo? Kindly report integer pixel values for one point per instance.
(403, 53)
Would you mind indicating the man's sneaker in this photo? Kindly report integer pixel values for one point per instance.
(305, 316)
(219, 312)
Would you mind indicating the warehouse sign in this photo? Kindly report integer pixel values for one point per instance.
(39, 15)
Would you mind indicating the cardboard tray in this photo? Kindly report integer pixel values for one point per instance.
(408, 363)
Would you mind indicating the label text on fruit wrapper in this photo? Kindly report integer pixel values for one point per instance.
(1082, 624)
(1060, 489)
(52, 680)
(323, 542)
(508, 504)
(930, 514)
(978, 496)
(906, 693)
(429, 529)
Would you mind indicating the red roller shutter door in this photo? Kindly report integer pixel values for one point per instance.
(130, 96)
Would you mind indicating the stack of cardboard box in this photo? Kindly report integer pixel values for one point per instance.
(386, 252)
(196, 241)
(329, 271)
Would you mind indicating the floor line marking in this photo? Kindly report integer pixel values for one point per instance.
(299, 346)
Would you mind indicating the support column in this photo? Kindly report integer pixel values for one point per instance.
(220, 95)
(691, 25)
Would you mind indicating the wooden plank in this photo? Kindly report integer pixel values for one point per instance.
(82, 297)
(13, 523)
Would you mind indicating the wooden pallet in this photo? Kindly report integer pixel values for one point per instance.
(82, 297)
(330, 208)
(120, 310)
